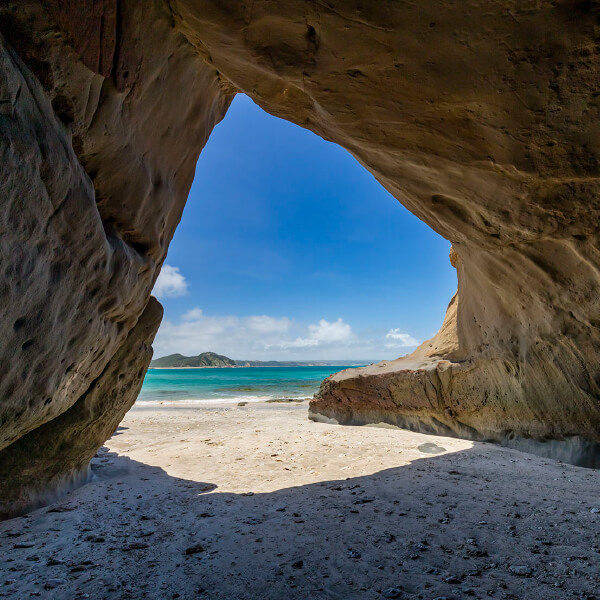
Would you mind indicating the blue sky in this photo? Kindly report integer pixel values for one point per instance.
(289, 249)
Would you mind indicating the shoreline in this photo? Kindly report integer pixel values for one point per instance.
(259, 367)
(213, 404)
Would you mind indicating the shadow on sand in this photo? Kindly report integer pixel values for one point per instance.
(119, 430)
(452, 526)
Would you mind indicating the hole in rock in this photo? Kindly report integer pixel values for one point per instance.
(27, 344)
(290, 250)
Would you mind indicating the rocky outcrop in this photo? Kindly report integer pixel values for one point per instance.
(481, 119)
(501, 399)
(55, 457)
(492, 400)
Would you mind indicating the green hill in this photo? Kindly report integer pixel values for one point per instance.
(206, 359)
(211, 359)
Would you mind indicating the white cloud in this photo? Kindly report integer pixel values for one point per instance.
(192, 315)
(298, 343)
(237, 337)
(322, 334)
(264, 324)
(263, 337)
(335, 331)
(403, 340)
(170, 283)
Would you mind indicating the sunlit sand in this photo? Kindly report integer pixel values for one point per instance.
(259, 502)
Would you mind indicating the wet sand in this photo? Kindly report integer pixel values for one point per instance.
(231, 502)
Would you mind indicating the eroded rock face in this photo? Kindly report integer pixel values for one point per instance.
(501, 399)
(88, 201)
(481, 119)
(56, 455)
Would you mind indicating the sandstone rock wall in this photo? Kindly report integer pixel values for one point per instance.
(100, 130)
(481, 118)
(55, 456)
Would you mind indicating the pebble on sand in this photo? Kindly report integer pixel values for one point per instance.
(54, 583)
(194, 549)
(135, 546)
(520, 570)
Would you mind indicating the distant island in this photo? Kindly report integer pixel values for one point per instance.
(213, 360)
(206, 359)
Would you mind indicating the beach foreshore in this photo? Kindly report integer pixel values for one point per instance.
(230, 502)
(264, 401)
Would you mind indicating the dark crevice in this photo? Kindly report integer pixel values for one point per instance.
(131, 240)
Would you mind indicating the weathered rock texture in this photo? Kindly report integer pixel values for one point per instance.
(100, 130)
(56, 455)
(481, 118)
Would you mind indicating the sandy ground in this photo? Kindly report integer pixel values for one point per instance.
(257, 502)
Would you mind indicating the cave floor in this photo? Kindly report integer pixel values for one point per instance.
(259, 502)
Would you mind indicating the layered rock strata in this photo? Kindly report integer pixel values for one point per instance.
(493, 400)
(480, 118)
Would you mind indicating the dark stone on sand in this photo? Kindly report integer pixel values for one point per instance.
(135, 546)
(429, 448)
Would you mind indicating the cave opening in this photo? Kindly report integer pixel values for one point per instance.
(290, 250)
(105, 108)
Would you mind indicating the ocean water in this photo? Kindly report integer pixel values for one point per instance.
(247, 384)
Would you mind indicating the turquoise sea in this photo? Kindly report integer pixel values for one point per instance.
(247, 384)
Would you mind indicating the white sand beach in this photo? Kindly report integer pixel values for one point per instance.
(258, 502)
